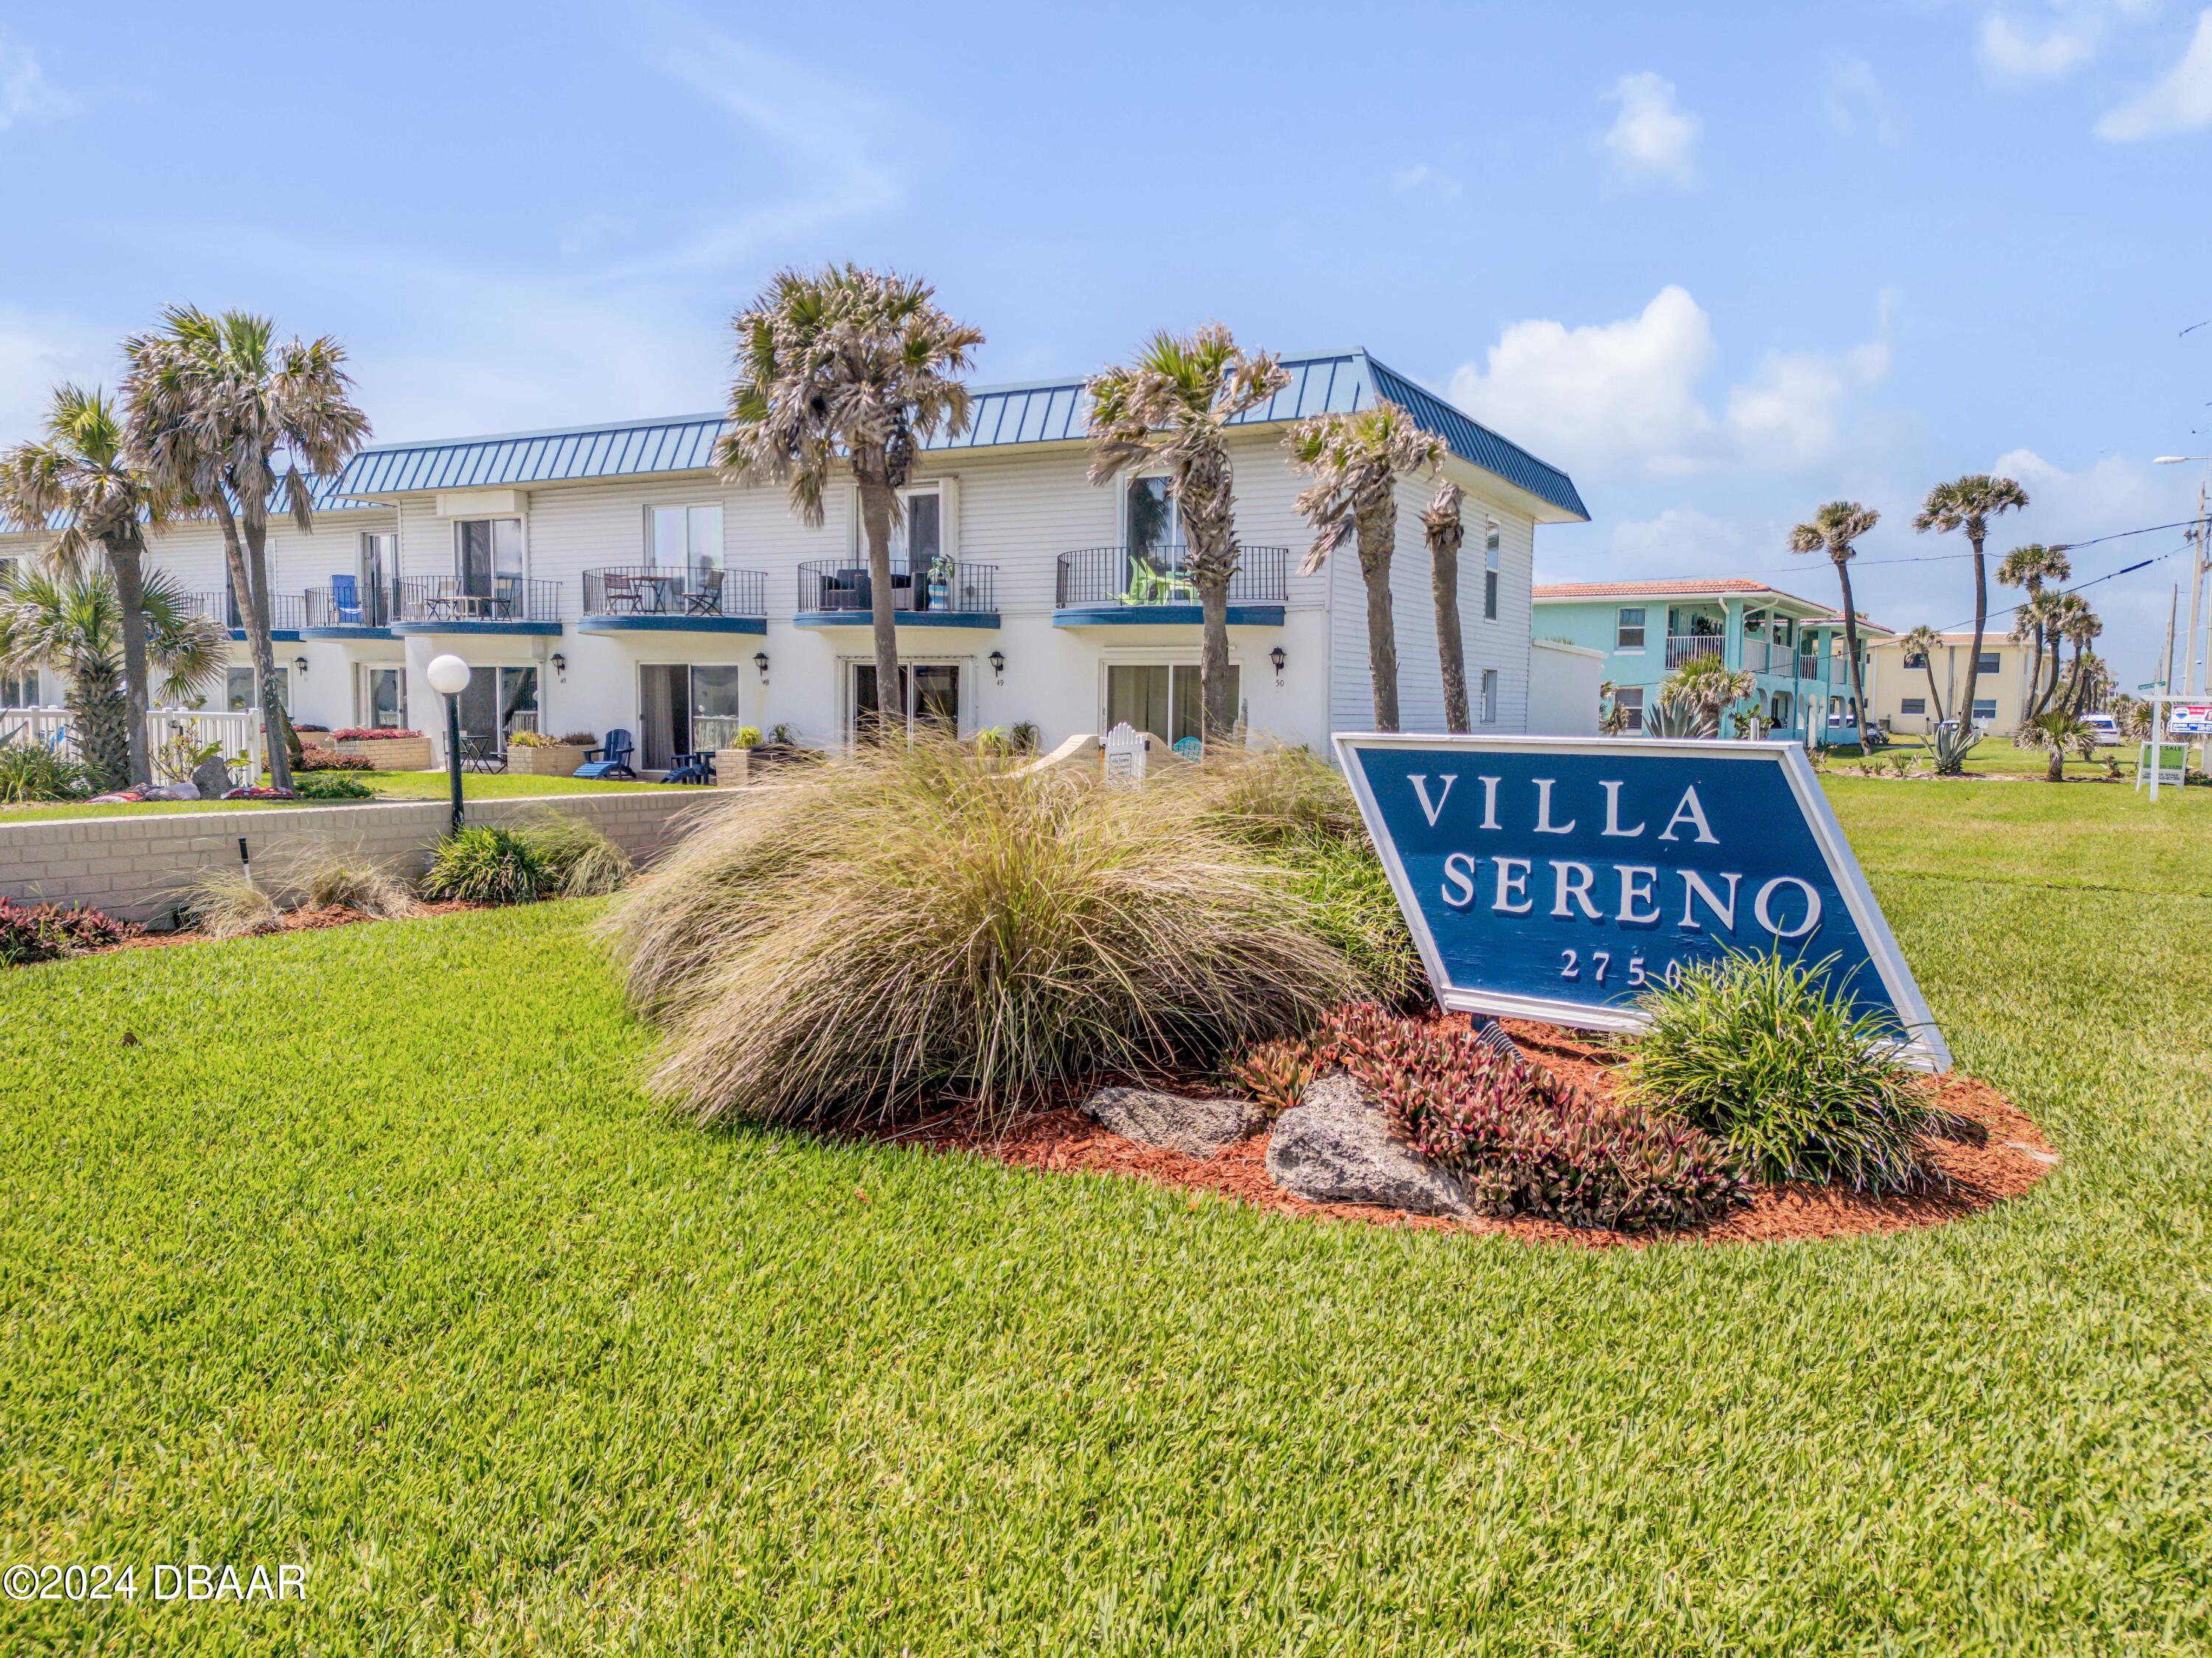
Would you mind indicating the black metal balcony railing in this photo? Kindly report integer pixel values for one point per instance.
(364, 607)
(643, 590)
(287, 612)
(1159, 575)
(830, 584)
(445, 599)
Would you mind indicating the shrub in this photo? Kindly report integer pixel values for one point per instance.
(583, 863)
(579, 740)
(1524, 1142)
(1759, 1051)
(331, 760)
(319, 785)
(1348, 895)
(327, 876)
(748, 736)
(486, 865)
(369, 734)
(32, 772)
(530, 740)
(1267, 797)
(916, 921)
(42, 932)
(225, 903)
(1276, 1074)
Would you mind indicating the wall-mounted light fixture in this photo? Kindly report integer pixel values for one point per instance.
(760, 661)
(1277, 657)
(999, 666)
(299, 667)
(560, 666)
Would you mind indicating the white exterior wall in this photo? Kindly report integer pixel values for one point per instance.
(1563, 682)
(1015, 509)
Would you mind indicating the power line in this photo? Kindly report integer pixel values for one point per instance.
(1808, 560)
(2079, 586)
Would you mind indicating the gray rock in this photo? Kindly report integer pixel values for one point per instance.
(1335, 1147)
(173, 792)
(212, 778)
(1197, 1129)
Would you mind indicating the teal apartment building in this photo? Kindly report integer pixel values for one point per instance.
(1793, 646)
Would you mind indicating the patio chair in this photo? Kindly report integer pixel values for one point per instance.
(697, 767)
(848, 589)
(610, 759)
(705, 599)
(619, 595)
(345, 601)
(481, 753)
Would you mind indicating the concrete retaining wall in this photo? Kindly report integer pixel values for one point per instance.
(132, 866)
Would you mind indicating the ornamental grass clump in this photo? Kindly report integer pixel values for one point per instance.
(31, 773)
(1524, 1142)
(920, 921)
(1760, 1051)
(583, 861)
(330, 876)
(486, 866)
(225, 903)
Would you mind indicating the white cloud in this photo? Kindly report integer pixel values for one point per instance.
(1652, 140)
(25, 95)
(1679, 541)
(2114, 493)
(2011, 51)
(1854, 100)
(37, 353)
(1626, 393)
(2179, 102)
(1420, 176)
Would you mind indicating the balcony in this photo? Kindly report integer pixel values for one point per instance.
(286, 613)
(1114, 587)
(839, 593)
(1692, 648)
(649, 599)
(444, 605)
(356, 612)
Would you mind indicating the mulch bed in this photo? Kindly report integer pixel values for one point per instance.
(2004, 1158)
(305, 919)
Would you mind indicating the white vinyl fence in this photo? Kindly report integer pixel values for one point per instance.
(238, 734)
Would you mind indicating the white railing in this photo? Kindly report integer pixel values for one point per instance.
(1688, 647)
(238, 734)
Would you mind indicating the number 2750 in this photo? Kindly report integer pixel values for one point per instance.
(1601, 963)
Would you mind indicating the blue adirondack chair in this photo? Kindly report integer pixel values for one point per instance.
(695, 768)
(345, 600)
(610, 758)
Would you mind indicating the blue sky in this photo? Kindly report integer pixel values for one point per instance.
(1723, 263)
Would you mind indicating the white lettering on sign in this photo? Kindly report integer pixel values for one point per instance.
(1512, 883)
(1544, 823)
(1459, 872)
(1572, 880)
(1489, 802)
(1692, 810)
(1762, 911)
(1420, 782)
(1612, 812)
(1637, 880)
(1695, 886)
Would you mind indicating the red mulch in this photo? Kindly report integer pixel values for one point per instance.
(2012, 1156)
(305, 919)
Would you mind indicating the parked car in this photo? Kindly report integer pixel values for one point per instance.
(2108, 729)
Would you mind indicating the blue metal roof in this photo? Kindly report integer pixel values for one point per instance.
(326, 496)
(1046, 411)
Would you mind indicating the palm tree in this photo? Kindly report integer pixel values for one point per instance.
(2076, 625)
(1709, 688)
(1969, 503)
(2030, 566)
(1441, 527)
(73, 621)
(227, 419)
(2056, 732)
(1355, 461)
(1171, 409)
(2038, 620)
(78, 476)
(1835, 530)
(1923, 642)
(853, 367)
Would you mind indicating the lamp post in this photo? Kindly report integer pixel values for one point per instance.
(449, 677)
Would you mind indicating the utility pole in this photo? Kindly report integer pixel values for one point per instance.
(2166, 659)
(2199, 642)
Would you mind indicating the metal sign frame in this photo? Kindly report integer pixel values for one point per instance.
(1924, 1045)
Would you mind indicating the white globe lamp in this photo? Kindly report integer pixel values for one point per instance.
(449, 677)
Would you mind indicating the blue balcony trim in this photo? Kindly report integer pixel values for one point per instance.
(1171, 615)
(289, 634)
(342, 632)
(903, 619)
(673, 624)
(451, 626)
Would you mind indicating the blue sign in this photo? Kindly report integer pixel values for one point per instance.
(1557, 878)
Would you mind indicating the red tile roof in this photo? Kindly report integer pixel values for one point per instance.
(1680, 589)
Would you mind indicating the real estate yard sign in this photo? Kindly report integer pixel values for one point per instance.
(1555, 878)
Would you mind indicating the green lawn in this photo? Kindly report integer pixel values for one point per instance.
(362, 1248)
(1998, 756)
(388, 785)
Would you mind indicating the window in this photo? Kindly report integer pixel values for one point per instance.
(1916, 659)
(1985, 708)
(1986, 663)
(1489, 539)
(384, 698)
(1153, 525)
(1628, 628)
(487, 550)
(919, 537)
(20, 690)
(1162, 698)
(1630, 704)
(1489, 696)
(686, 538)
(1913, 705)
(238, 689)
(498, 702)
(929, 694)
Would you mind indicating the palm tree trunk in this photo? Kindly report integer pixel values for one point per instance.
(1852, 646)
(1981, 621)
(2034, 693)
(2050, 690)
(875, 525)
(1377, 529)
(1451, 655)
(124, 561)
(1935, 696)
(1220, 714)
(2054, 770)
(275, 724)
(102, 713)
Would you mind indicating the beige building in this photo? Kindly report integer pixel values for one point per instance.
(1899, 694)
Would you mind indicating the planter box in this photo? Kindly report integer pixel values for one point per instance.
(733, 768)
(560, 759)
(390, 753)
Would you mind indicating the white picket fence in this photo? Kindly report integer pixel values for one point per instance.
(239, 733)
